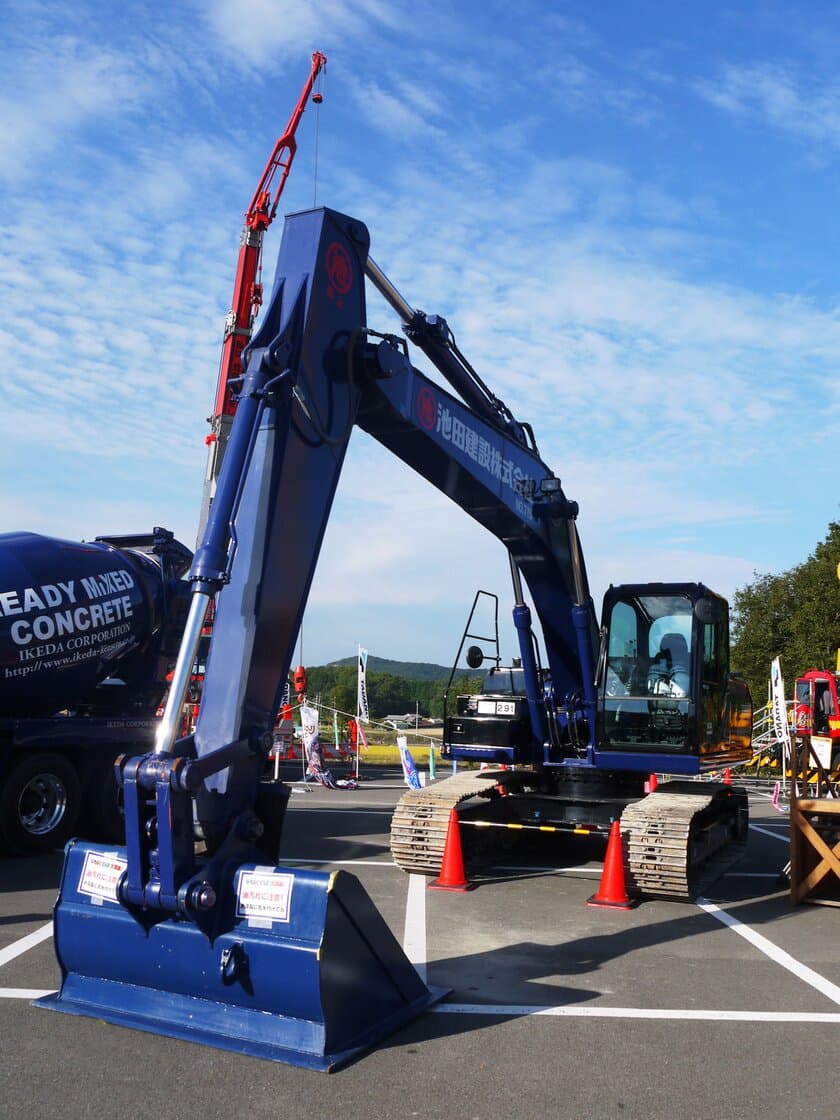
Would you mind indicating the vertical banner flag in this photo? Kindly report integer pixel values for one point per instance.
(412, 778)
(777, 699)
(362, 700)
(309, 733)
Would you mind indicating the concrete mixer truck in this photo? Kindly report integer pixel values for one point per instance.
(88, 633)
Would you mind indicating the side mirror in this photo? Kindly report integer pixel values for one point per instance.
(474, 657)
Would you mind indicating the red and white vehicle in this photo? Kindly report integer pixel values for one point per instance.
(816, 715)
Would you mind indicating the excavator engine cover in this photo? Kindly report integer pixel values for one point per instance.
(299, 966)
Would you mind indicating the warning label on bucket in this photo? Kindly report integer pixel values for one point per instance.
(100, 874)
(264, 895)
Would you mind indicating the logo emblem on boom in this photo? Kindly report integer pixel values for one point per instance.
(339, 272)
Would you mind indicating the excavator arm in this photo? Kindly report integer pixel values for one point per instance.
(313, 372)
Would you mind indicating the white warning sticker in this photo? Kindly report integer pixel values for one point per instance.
(264, 895)
(100, 875)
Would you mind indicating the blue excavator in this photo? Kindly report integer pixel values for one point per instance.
(191, 929)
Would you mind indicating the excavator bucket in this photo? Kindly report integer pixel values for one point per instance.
(300, 966)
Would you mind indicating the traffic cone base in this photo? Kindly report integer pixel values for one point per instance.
(612, 892)
(452, 876)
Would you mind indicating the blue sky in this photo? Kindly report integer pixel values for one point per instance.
(626, 211)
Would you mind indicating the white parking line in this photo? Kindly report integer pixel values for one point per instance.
(414, 935)
(783, 836)
(25, 943)
(372, 812)
(415, 948)
(588, 1012)
(339, 862)
(25, 993)
(802, 971)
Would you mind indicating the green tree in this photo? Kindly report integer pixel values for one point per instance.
(461, 686)
(794, 616)
(387, 693)
(816, 624)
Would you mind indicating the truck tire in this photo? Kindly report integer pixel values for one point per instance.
(39, 803)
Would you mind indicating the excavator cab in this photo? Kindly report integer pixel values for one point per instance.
(667, 700)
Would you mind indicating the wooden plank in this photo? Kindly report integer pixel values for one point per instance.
(813, 859)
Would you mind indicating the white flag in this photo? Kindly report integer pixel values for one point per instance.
(779, 707)
(362, 699)
(309, 729)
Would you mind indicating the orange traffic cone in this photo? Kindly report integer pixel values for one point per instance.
(452, 876)
(612, 892)
(651, 784)
(727, 777)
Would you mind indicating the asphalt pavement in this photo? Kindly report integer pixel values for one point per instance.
(724, 1007)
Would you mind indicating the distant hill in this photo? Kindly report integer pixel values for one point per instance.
(411, 670)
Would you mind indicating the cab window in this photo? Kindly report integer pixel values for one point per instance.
(508, 682)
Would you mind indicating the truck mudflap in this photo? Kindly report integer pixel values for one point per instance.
(682, 837)
(421, 818)
(300, 968)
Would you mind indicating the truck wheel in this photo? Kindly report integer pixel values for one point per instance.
(39, 803)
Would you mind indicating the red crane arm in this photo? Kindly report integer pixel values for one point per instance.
(262, 210)
(247, 291)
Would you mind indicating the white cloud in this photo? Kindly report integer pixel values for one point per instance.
(56, 88)
(264, 31)
(585, 313)
(402, 114)
(775, 94)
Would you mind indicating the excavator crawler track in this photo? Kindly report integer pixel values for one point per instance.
(676, 841)
(421, 819)
(682, 837)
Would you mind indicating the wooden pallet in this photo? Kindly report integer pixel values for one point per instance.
(815, 845)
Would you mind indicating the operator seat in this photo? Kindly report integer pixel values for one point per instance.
(669, 672)
(674, 649)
